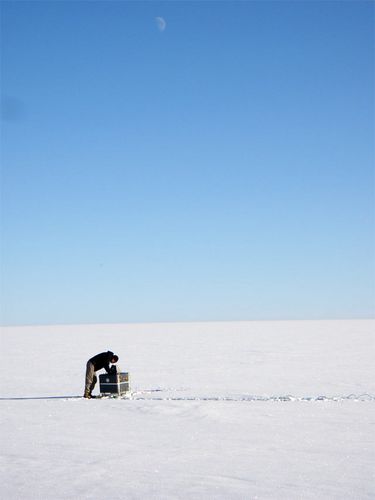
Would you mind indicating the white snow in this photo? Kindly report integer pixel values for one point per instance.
(207, 420)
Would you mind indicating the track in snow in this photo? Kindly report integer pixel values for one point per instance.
(142, 396)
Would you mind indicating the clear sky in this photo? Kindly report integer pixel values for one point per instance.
(178, 161)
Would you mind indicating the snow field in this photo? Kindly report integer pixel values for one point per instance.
(155, 448)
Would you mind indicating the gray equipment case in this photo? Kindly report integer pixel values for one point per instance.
(114, 383)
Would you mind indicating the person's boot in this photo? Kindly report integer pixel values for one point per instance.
(87, 395)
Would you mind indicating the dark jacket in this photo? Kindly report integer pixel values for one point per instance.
(102, 360)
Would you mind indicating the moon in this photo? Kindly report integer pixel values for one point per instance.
(161, 24)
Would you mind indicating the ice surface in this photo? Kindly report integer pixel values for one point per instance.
(208, 418)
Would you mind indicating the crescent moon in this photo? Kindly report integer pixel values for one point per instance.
(161, 24)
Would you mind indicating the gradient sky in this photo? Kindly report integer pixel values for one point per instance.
(214, 164)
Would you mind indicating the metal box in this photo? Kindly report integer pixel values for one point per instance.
(114, 383)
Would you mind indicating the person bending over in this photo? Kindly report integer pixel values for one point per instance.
(94, 364)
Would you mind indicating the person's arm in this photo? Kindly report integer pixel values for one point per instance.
(109, 359)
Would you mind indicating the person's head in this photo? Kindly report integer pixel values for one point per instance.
(114, 359)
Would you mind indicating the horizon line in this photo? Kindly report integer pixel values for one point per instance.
(112, 323)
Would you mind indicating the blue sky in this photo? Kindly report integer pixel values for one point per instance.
(219, 169)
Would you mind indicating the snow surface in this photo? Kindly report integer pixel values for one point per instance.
(231, 410)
